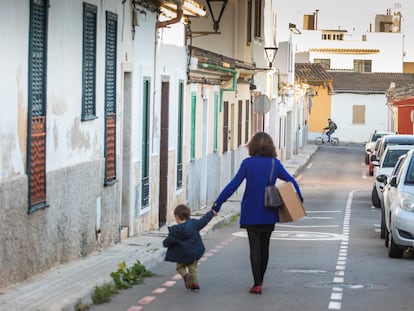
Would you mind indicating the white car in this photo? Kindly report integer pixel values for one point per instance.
(370, 143)
(383, 169)
(399, 208)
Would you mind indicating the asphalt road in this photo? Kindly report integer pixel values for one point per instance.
(333, 259)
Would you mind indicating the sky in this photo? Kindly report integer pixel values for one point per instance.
(351, 15)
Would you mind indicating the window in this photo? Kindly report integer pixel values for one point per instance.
(239, 122)
(180, 134)
(333, 35)
(258, 19)
(226, 127)
(193, 126)
(249, 22)
(247, 125)
(358, 114)
(325, 62)
(36, 147)
(110, 98)
(361, 65)
(145, 156)
(89, 62)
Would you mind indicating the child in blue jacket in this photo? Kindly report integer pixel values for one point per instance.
(185, 246)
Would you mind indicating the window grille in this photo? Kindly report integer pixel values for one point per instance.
(110, 97)
(36, 147)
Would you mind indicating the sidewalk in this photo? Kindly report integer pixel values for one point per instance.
(61, 287)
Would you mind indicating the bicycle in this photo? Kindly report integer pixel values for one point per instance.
(323, 139)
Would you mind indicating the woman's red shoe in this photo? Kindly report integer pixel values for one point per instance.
(256, 289)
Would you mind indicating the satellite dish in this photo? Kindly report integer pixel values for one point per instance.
(262, 104)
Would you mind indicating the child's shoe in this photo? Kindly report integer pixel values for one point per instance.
(188, 280)
(195, 287)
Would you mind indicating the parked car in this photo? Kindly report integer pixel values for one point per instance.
(399, 208)
(384, 168)
(398, 139)
(370, 143)
(385, 199)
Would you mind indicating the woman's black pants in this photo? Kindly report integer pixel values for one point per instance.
(259, 253)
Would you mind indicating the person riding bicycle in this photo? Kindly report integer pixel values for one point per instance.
(330, 129)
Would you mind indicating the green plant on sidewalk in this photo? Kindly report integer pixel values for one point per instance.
(103, 293)
(126, 277)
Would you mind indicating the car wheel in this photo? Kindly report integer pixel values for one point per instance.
(393, 250)
(374, 197)
(383, 229)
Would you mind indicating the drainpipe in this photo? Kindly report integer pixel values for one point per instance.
(224, 69)
(176, 19)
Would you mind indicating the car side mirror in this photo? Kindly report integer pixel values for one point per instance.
(373, 158)
(393, 181)
(382, 178)
(375, 163)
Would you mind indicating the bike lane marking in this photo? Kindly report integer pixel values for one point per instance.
(176, 278)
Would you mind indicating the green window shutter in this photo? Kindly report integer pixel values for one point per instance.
(180, 134)
(89, 62)
(145, 186)
(215, 139)
(193, 125)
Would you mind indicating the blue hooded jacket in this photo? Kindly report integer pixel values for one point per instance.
(184, 241)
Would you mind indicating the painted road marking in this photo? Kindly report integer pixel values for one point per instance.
(158, 291)
(298, 235)
(335, 302)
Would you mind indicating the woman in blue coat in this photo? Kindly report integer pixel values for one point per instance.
(254, 217)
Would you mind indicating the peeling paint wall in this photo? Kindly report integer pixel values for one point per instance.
(78, 202)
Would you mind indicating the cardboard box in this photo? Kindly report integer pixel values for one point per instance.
(293, 208)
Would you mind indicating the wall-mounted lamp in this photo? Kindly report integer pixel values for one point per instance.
(219, 6)
(270, 54)
(293, 29)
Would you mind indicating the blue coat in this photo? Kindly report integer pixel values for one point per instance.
(256, 172)
(184, 241)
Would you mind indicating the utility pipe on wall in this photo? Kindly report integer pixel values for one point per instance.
(174, 20)
(224, 69)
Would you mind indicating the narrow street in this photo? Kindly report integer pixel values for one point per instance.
(333, 259)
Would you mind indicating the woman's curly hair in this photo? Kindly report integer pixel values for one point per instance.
(262, 145)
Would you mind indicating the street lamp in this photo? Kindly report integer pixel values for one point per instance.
(270, 54)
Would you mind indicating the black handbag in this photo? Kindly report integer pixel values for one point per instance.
(272, 199)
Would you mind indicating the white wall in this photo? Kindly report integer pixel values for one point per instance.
(389, 46)
(375, 116)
